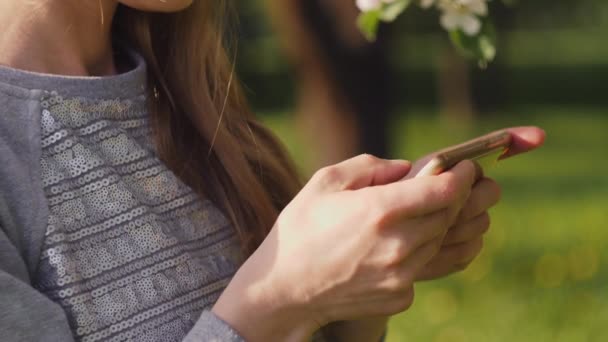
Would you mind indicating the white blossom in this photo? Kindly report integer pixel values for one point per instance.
(368, 5)
(463, 14)
(460, 14)
(371, 5)
(466, 16)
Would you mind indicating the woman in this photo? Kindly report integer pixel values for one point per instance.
(134, 185)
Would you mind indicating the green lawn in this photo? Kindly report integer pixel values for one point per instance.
(542, 276)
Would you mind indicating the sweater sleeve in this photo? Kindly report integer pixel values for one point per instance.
(25, 313)
(212, 328)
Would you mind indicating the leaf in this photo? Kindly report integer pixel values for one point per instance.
(368, 23)
(391, 11)
(482, 47)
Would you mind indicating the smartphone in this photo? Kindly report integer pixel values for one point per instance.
(485, 150)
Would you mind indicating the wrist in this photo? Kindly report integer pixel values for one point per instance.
(258, 313)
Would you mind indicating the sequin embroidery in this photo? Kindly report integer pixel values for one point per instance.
(130, 252)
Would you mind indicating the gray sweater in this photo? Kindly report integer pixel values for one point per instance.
(98, 239)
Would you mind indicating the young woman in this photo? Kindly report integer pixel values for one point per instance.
(140, 201)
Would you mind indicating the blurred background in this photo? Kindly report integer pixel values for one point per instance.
(544, 273)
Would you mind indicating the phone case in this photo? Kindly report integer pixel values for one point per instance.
(486, 151)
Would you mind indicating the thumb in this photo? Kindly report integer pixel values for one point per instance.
(360, 172)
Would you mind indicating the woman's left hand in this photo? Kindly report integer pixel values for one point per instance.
(464, 241)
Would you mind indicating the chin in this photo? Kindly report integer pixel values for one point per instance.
(157, 5)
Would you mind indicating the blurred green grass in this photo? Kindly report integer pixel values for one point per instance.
(542, 275)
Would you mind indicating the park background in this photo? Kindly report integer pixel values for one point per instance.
(543, 273)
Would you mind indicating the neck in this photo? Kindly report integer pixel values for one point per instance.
(64, 37)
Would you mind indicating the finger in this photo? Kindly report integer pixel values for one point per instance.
(478, 172)
(412, 267)
(451, 259)
(524, 139)
(468, 231)
(419, 165)
(459, 255)
(424, 195)
(464, 168)
(424, 161)
(418, 232)
(359, 172)
(484, 195)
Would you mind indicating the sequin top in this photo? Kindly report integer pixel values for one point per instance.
(99, 240)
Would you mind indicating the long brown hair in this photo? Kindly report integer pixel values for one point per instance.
(204, 130)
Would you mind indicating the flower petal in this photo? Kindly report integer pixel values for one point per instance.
(450, 20)
(368, 5)
(479, 7)
(470, 24)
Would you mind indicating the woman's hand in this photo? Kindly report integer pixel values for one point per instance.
(349, 246)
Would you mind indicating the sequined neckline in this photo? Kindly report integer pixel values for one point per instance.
(122, 86)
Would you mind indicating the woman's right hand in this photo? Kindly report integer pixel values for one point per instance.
(349, 246)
